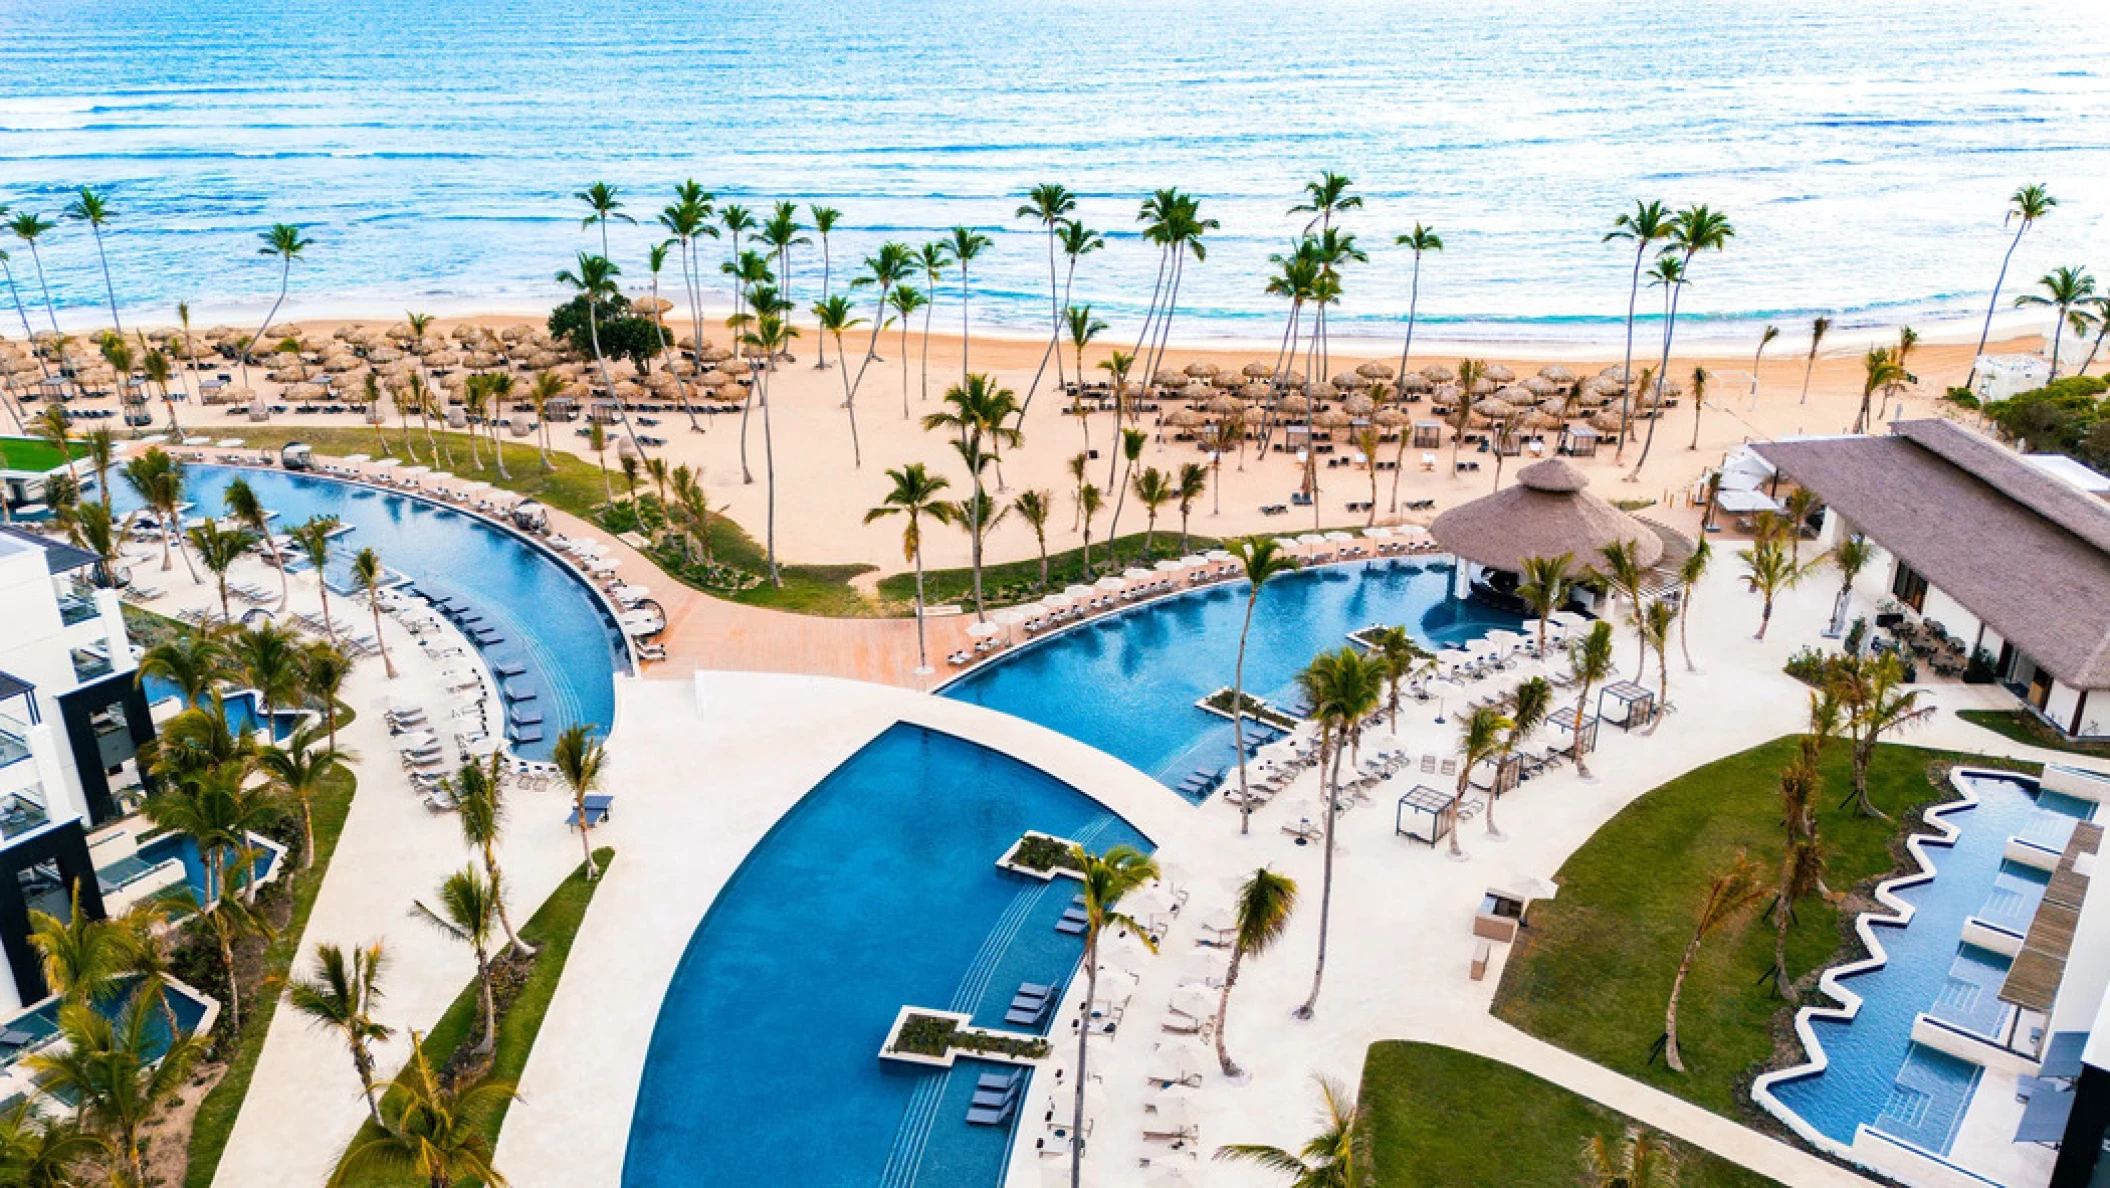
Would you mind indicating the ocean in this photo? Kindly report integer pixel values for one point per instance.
(1864, 151)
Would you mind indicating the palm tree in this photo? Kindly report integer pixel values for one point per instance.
(284, 241)
(2024, 208)
(1818, 326)
(1623, 576)
(1641, 1162)
(1765, 339)
(323, 671)
(1872, 705)
(892, 264)
(88, 207)
(439, 1131)
(7, 270)
(835, 315)
(268, 660)
(1082, 328)
(1469, 373)
(158, 372)
(780, 234)
(1420, 240)
(1480, 738)
(1033, 507)
(232, 916)
(298, 770)
(1192, 481)
(241, 503)
(1401, 659)
(1729, 894)
(1700, 378)
(110, 1071)
(1051, 205)
(905, 300)
(581, 762)
(597, 441)
(1654, 623)
(312, 538)
(964, 246)
(1336, 1157)
(467, 912)
(1770, 570)
(1544, 587)
(39, 1152)
(1648, 224)
(1264, 903)
(2064, 288)
(91, 528)
(189, 660)
(1694, 230)
(593, 278)
(479, 798)
(1849, 557)
(687, 219)
(1690, 572)
(1132, 443)
(915, 497)
(81, 958)
(218, 549)
(1107, 878)
(1153, 490)
(1343, 688)
(368, 574)
(29, 228)
(770, 336)
(1590, 659)
(1529, 705)
(340, 995)
(1089, 501)
(824, 220)
(1261, 559)
(605, 204)
(934, 257)
(546, 386)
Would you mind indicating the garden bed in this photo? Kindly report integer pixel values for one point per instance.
(1219, 703)
(1041, 856)
(937, 1038)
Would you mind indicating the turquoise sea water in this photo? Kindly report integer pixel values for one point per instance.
(1864, 150)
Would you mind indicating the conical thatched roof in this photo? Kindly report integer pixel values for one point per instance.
(1546, 514)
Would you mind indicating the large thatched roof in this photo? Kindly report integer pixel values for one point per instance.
(1545, 514)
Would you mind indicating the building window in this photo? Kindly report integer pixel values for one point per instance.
(1909, 587)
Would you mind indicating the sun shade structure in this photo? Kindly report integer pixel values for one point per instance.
(1548, 512)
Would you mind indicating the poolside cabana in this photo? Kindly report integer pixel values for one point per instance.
(1428, 435)
(1548, 512)
(1636, 704)
(1580, 441)
(1425, 815)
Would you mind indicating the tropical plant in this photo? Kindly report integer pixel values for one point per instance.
(1343, 688)
(1421, 240)
(437, 1130)
(267, 658)
(157, 478)
(468, 912)
(1132, 443)
(41, 1152)
(1480, 738)
(771, 335)
(284, 241)
(1153, 490)
(1338, 1156)
(1261, 559)
(1590, 660)
(915, 498)
(1262, 912)
(1818, 326)
(1871, 705)
(479, 802)
(1646, 225)
(833, 315)
(1033, 507)
(1640, 1162)
(891, 265)
(964, 246)
(340, 995)
(1730, 893)
(117, 1072)
(1654, 623)
(189, 660)
(218, 549)
(1106, 879)
(1770, 570)
(1620, 571)
(1401, 659)
(2024, 208)
(298, 771)
(368, 574)
(80, 956)
(231, 916)
(1192, 481)
(1544, 586)
(1690, 571)
(312, 538)
(1050, 205)
(581, 762)
(1089, 501)
(2064, 288)
(1694, 229)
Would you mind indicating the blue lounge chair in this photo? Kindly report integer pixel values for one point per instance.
(508, 668)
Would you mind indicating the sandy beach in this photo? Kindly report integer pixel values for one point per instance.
(822, 496)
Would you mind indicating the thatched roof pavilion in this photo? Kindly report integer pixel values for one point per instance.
(1545, 514)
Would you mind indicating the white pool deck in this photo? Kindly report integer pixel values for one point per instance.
(703, 769)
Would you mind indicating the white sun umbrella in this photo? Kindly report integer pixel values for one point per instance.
(228, 443)
(1174, 1063)
(632, 593)
(357, 457)
(1570, 619)
(1286, 542)
(1312, 538)
(1060, 600)
(1110, 582)
(417, 470)
(1007, 618)
(589, 548)
(1413, 530)
(385, 463)
(1169, 565)
(443, 474)
(1174, 1113)
(982, 630)
(1218, 555)
(1339, 537)
(1192, 1003)
(603, 566)
(1196, 560)
(1204, 967)
(1377, 532)
(1078, 591)
(1031, 610)
(473, 487)
(1135, 573)
(1506, 639)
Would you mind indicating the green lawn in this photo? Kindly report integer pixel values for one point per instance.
(216, 1114)
(1593, 971)
(2023, 727)
(552, 930)
(1019, 581)
(1438, 1116)
(36, 455)
(575, 485)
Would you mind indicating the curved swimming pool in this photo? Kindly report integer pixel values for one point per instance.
(878, 890)
(1127, 683)
(547, 619)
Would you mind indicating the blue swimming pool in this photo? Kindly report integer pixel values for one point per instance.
(1877, 1075)
(243, 713)
(878, 890)
(1127, 683)
(543, 615)
(183, 850)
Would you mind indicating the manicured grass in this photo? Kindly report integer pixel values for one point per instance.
(1019, 581)
(552, 930)
(2022, 727)
(35, 454)
(575, 485)
(1438, 1116)
(1593, 971)
(216, 1114)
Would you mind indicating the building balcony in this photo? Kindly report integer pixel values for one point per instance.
(19, 815)
(76, 608)
(90, 666)
(14, 744)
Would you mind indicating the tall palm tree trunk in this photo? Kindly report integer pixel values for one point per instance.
(1084, 1039)
(1986, 330)
(1626, 375)
(1328, 806)
(1245, 792)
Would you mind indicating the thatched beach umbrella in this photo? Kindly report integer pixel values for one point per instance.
(1184, 418)
(1224, 406)
(1604, 422)
(1202, 370)
(1358, 405)
(1499, 373)
(1389, 418)
(1295, 404)
(1493, 408)
(1437, 373)
(1547, 513)
(1557, 374)
(1258, 371)
(1375, 370)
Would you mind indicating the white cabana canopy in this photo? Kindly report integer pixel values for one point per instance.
(1744, 502)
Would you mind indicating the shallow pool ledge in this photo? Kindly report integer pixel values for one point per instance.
(1832, 980)
(702, 770)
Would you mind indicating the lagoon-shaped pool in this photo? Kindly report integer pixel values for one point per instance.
(878, 890)
(1127, 683)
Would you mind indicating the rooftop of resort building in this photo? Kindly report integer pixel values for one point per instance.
(1547, 513)
(2025, 551)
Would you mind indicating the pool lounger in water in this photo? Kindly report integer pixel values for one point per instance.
(486, 637)
(518, 690)
(508, 668)
(524, 715)
(525, 734)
